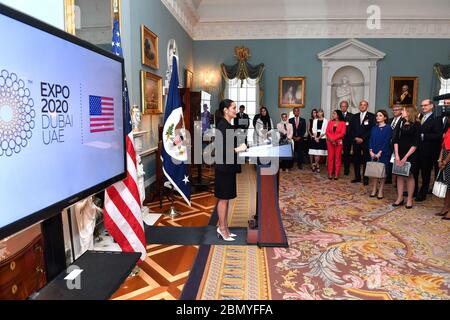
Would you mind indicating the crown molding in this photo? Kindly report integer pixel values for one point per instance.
(319, 29)
(185, 14)
(192, 8)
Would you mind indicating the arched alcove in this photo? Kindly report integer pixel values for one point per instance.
(356, 59)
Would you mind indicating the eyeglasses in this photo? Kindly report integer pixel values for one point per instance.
(424, 105)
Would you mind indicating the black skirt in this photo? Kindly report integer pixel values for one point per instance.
(225, 185)
(446, 169)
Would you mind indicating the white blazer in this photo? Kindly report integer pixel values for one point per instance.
(322, 130)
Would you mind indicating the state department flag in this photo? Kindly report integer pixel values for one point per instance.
(174, 152)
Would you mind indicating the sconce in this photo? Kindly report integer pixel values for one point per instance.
(207, 80)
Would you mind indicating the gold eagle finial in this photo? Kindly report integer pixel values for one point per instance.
(242, 53)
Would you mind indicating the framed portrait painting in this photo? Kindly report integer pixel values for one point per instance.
(403, 91)
(291, 92)
(149, 44)
(151, 92)
(189, 79)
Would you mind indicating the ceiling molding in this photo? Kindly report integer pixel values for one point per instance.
(185, 15)
(351, 28)
(192, 7)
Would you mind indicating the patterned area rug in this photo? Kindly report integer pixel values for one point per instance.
(345, 245)
(237, 272)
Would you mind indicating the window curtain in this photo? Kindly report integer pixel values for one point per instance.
(440, 73)
(234, 83)
(240, 71)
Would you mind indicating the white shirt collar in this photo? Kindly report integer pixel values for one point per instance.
(426, 115)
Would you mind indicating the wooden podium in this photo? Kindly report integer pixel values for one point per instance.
(270, 231)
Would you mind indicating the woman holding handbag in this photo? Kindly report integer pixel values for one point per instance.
(444, 166)
(379, 148)
(405, 143)
(335, 134)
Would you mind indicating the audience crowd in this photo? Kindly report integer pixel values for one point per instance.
(409, 146)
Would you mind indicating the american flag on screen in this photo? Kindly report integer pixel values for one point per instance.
(101, 112)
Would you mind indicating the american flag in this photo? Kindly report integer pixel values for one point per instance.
(101, 112)
(122, 209)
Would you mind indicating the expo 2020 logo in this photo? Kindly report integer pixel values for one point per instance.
(16, 114)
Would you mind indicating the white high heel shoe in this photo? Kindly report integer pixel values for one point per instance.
(220, 235)
(231, 234)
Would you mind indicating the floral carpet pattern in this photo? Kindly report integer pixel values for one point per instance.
(345, 245)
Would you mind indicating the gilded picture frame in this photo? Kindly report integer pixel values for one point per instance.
(403, 91)
(189, 79)
(70, 15)
(291, 92)
(151, 93)
(149, 48)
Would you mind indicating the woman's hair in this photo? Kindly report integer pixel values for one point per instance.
(413, 114)
(220, 113)
(384, 113)
(340, 115)
(312, 113)
(320, 111)
(265, 119)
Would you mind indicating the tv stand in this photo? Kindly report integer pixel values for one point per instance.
(103, 273)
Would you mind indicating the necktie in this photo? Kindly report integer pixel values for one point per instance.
(423, 119)
(361, 118)
(296, 122)
(394, 123)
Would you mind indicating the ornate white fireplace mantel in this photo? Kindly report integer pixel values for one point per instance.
(349, 72)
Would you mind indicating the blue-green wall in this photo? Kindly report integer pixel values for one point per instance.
(155, 16)
(292, 57)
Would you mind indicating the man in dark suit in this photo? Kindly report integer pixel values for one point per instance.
(242, 122)
(299, 125)
(347, 138)
(242, 119)
(360, 127)
(428, 149)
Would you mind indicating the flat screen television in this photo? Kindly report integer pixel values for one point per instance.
(62, 120)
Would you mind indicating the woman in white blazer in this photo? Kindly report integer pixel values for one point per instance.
(318, 147)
